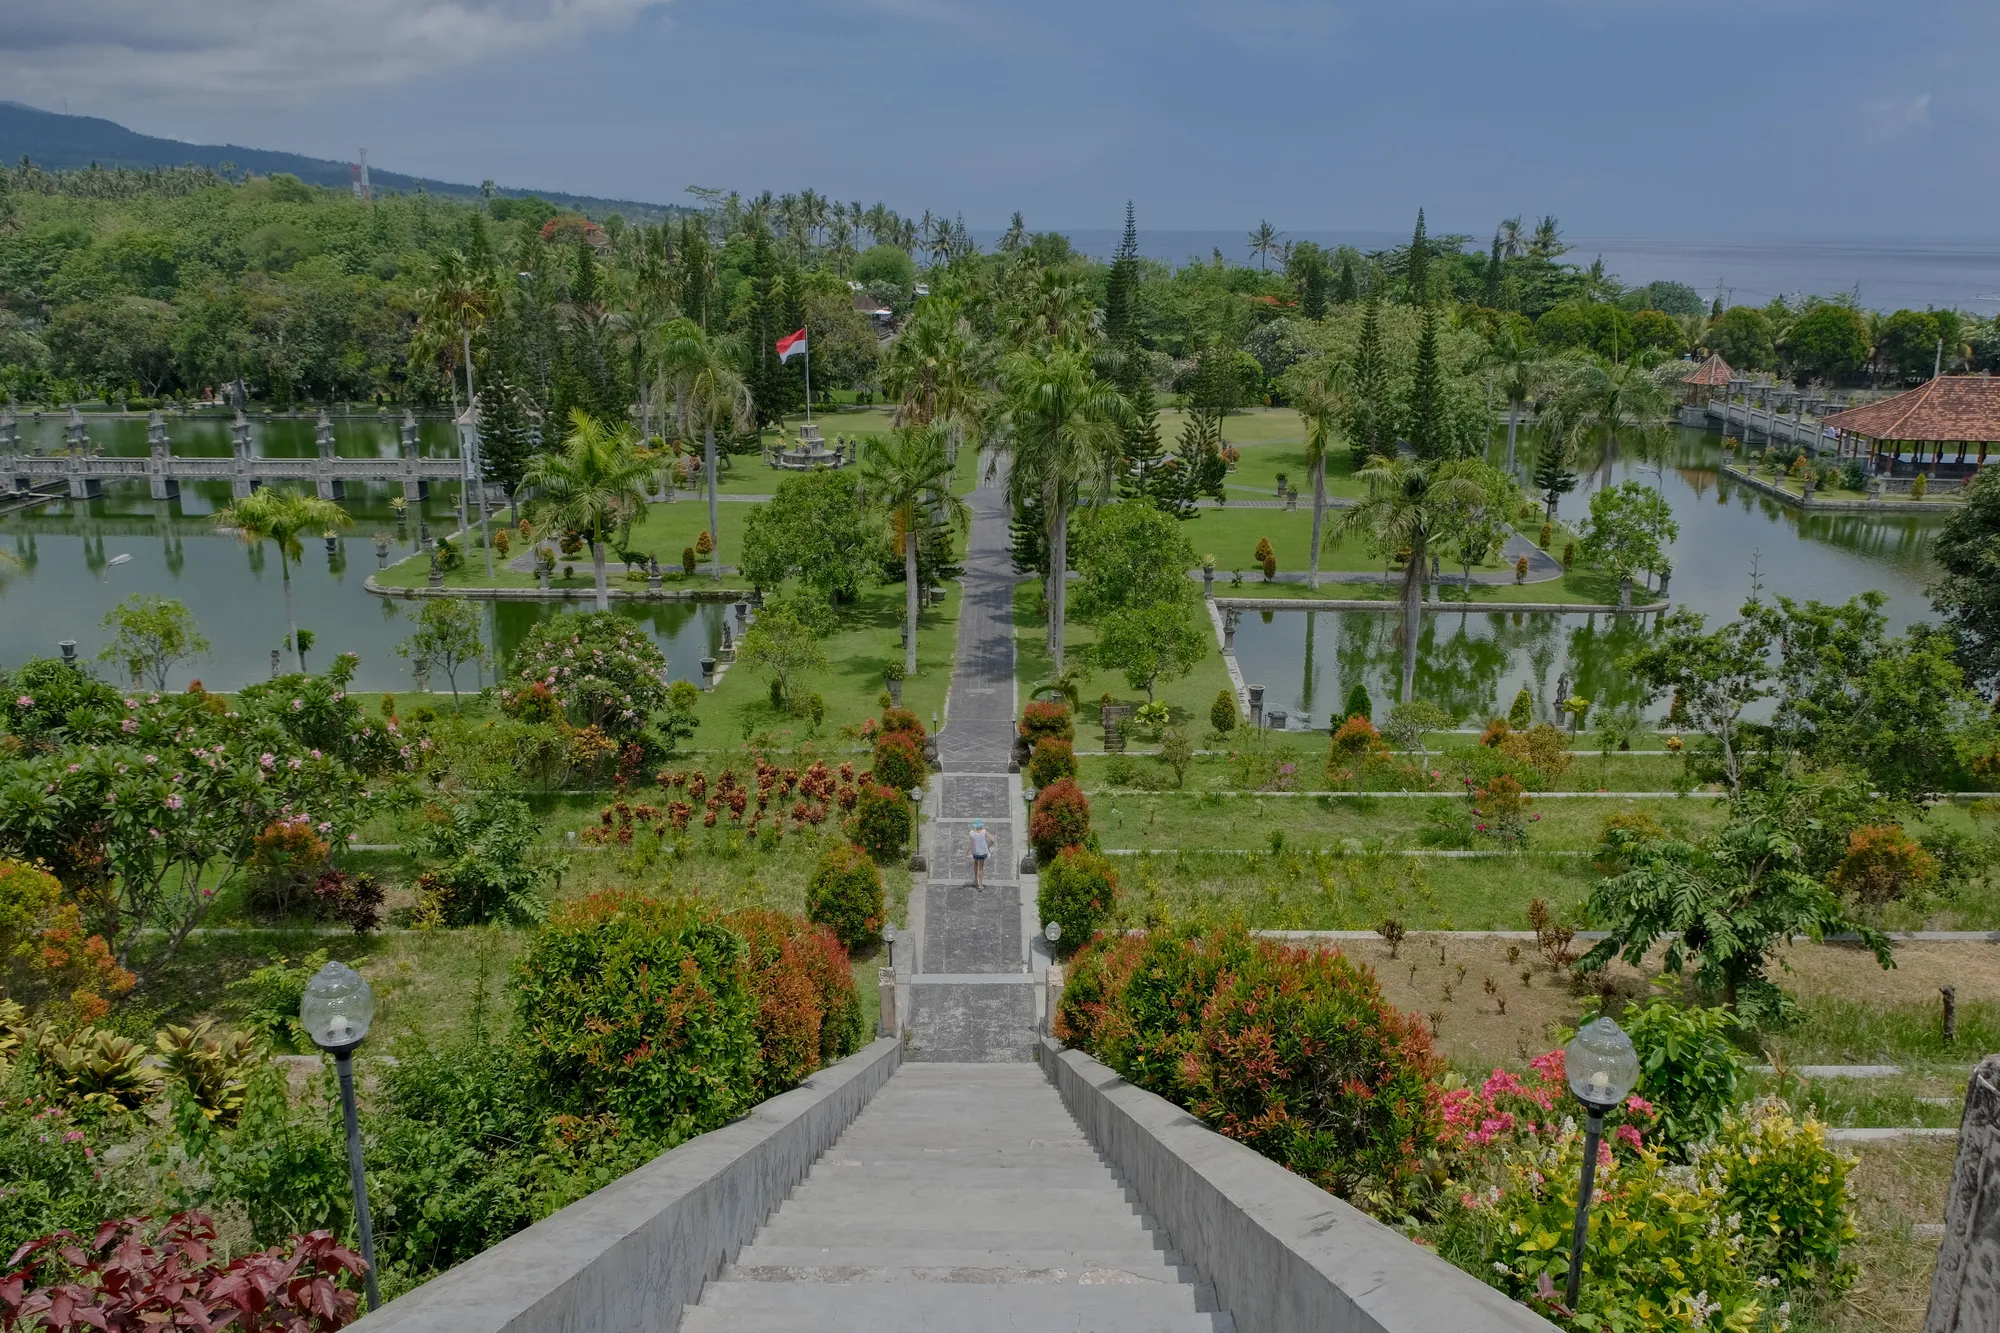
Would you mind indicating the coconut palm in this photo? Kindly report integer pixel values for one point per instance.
(909, 476)
(1525, 374)
(933, 369)
(1062, 434)
(450, 309)
(597, 480)
(708, 389)
(1264, 243)
(280, 517)
(1323, 404)
(1411, 503)
(1627, 402)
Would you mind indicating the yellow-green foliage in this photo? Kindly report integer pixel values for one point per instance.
(98, 1070)
(214, 1070)
(1790, 1188)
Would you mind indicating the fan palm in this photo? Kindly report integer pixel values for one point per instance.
(1323, 404)
(595, 481)
(709, 389)
(1063, 431)
(1410, 504)
(909, 476)
(280, 517)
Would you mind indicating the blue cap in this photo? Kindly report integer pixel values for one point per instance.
(979, 823)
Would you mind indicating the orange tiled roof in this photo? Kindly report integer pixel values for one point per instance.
(1950, 407)
(1713, 373)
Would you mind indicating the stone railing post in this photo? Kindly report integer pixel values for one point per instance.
(1965, 1289)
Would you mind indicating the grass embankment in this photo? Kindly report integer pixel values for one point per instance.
(1245, 764)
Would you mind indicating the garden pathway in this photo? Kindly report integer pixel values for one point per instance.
(972, 994)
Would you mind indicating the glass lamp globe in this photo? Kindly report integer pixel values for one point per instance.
(1052, 932)
(1601, 1064)
(337, 1007)
(889, 933)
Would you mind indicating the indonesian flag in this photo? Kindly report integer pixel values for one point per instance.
(791, 345)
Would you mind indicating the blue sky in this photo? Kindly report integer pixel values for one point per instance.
(1752, 119)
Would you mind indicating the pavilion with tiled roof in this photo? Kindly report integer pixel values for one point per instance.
(1943, 428)
(1706, 379)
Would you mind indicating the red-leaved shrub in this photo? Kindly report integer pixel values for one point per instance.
(808, 1010)
(903, 721)
(845, 895)
(1061, 819)
(1052, 761)
(118, 1281)
(899, 761)
(1047, 718)
(1078, 889)
(1290, 1051)
(881, 822)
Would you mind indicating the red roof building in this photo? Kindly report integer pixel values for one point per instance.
(1706, 379)
(1931, 428)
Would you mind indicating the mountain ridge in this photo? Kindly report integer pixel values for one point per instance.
(60, 142)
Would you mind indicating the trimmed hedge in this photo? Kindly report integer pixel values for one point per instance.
(882, 822)
(1047, 719)
(1061, 818)
(1052, 761)
(845, 895)
(899, 761)
(1078, 889)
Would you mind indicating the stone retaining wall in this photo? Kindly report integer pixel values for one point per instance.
(1281, 1253)
(629, 1256)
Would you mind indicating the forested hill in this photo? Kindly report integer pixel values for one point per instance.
(65, 143)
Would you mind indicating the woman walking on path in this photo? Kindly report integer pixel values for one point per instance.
(981, 844)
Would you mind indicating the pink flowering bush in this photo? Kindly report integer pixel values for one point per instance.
(601, 669)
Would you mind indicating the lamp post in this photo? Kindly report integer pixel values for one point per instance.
(1602, 1067)
(336, 1011)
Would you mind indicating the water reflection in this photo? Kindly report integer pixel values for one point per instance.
(1472, 663)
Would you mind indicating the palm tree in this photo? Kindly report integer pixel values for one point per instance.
(1323, 403)
(279, 517)
(1062, 435)
(933, 370)
(1525, 374)
(449, 310)
(709, 389)
(1264, 243)
(1511, 244)
(909, 476)
(1626, 401)
(1410, 504)
(594, 482)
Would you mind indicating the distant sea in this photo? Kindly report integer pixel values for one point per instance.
(1886, 274)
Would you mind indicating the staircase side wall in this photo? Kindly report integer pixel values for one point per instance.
(629, 1256)
(1281, 1253)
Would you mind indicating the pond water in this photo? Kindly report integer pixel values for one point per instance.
(1473, 663)
(68, 583)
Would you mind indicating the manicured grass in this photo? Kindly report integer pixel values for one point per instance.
(868, 640)
(1588, 771)
(1191, 694)
(1894, 1187)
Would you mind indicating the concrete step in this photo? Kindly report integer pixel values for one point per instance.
(908, 1197)
(967, 1176)
(976, 1307)
(1059, 1270)
(969, 1231)
(940, 1255)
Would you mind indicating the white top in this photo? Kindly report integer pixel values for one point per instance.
(980, 846)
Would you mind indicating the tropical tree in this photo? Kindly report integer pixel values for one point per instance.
(1063, 432)
(1264, 243)
(908, 476)
(279, 517)
(447, 638)
(933, 370)
(154, 635)
(1323, 403)
(451, 307)
(711, 391)
(1625, 402)
(1523, 371)
(1630, 527)
(1410, 504)
(595, 481)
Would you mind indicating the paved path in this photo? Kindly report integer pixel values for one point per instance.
(962, 1198)
(972, 993)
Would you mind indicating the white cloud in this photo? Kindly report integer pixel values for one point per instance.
(1886, 118)
(226, 53)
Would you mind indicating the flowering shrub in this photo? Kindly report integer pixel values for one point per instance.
(120, 1279)
(285, 861)
(49, 1159)
(1542, 747)
(1355, 745)
(1052, 761)
(1291, 1051)
(882, 822)
(602, 669)
(845, 895)
(899, 761)
(902, 720)
(1047, 718)
(46, 955)
(642, 1008)
(808, 1010)
(1078, 889)
(1501, 811)
(1061, 818)
(1791, 1190)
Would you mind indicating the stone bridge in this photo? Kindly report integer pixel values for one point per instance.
(163, 471)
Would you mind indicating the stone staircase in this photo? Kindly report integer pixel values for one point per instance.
(964, 1198)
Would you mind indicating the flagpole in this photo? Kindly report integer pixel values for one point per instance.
(809, 378)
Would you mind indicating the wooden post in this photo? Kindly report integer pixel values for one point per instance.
(1950, 994)
(1965, 1291)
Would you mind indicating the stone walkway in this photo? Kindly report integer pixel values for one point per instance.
(972, 993)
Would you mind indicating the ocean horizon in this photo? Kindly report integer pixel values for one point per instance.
(1884, 274)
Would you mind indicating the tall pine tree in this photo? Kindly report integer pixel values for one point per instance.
(1492, 294)
(1346, 286)
(1426, 411)
(1370, 428)
(587, 375)
(1121, 282)
(1419, 268)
